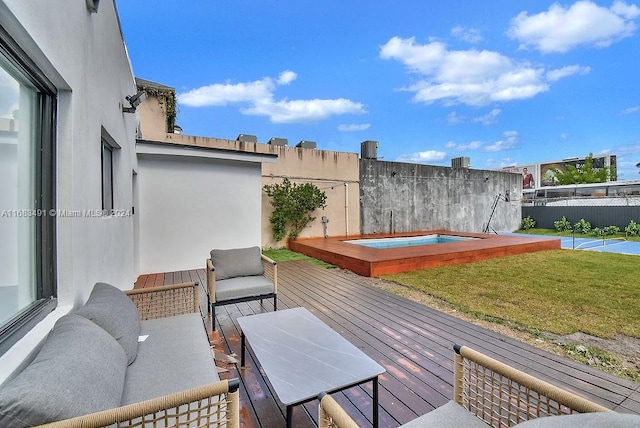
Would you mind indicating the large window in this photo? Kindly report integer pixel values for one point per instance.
(27, 208)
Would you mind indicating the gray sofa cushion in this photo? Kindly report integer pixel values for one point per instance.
(80, 369)
(114, 311)
(450, 415)
(585, 420)
(237, 262)
(246, 286)
(176, 356)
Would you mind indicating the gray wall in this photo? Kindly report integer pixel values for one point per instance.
(597, 216)
(403, 197)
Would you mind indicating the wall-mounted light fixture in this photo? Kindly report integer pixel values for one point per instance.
(134, 101)
(92, 5)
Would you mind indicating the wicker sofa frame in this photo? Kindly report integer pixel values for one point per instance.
(214, 404)
(496, 393)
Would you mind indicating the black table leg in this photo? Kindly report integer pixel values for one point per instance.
(289, 416)
(242, 350)
(375, 402)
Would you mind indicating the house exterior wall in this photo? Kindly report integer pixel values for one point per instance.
(83, 54)
(335, 173)
(192, 204)
(403, 197)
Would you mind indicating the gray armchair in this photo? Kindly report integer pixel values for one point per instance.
(240, 275)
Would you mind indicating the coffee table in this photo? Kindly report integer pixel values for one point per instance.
(302, 357)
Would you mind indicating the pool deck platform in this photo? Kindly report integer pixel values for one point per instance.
(374, 262)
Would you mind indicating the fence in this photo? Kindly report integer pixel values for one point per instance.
(598, 216)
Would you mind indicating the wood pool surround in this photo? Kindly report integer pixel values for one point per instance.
(374, 262)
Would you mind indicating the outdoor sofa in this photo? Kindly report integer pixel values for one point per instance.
(488, 392)
(134, 358)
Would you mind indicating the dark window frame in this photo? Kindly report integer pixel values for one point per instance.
(45, 120)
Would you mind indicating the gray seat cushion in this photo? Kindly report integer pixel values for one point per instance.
(237, 262)
(245, 286)
(114, 311)
(585, 420)
(176, 356)
(450, 415)
(79, 370)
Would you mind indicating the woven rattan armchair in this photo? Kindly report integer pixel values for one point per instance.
(496, 394)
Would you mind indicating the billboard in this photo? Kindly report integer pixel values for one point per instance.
(543, 174)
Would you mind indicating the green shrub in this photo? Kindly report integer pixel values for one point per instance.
(582, 226)
(293, 205)
(528, 223)
(597, 232)
(611, 230)
(562, 225)
(633, 229)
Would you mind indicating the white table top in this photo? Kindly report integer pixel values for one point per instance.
(302, 356)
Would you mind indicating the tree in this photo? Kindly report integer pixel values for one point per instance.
(583, 173)
(293, 205)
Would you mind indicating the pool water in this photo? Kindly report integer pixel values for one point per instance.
(408, 241)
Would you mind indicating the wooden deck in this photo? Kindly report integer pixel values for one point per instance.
(413, 342)
(368, 261)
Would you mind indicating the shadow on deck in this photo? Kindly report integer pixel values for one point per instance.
(411, 341)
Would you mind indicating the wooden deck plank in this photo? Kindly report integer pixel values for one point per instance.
(412, 341)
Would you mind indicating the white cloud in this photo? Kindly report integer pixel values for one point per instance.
(286, 77)
(259, 95)
(422, 157)
(302, 111)
(221, 94)
(489, 118)
(459, 147)
(471, 77)
(559, 73)
(353, 127)
(630, 110)
(584, 23)
(454, 118)
(470, 35)
(509, 141)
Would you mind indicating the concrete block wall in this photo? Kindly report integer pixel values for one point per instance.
(402, 197)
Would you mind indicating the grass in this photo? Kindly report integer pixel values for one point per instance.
(553, 232)
(284, 255)
(559, 291)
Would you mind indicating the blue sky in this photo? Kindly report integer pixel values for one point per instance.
(502, 82)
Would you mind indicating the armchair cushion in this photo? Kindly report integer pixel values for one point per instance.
(237, 262)
(450, 415)
(246, 286)
(59, 384)
(114, 311)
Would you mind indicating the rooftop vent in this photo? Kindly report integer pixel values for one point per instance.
(277, 141)
(369, 149)
(461, 162)
(247, 138)
(307, 144)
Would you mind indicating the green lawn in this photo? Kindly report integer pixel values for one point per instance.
(561, 291)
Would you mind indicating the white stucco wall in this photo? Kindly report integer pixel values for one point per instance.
(83, 54)
(193, 200)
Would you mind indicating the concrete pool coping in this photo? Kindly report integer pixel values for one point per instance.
(367, 261)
